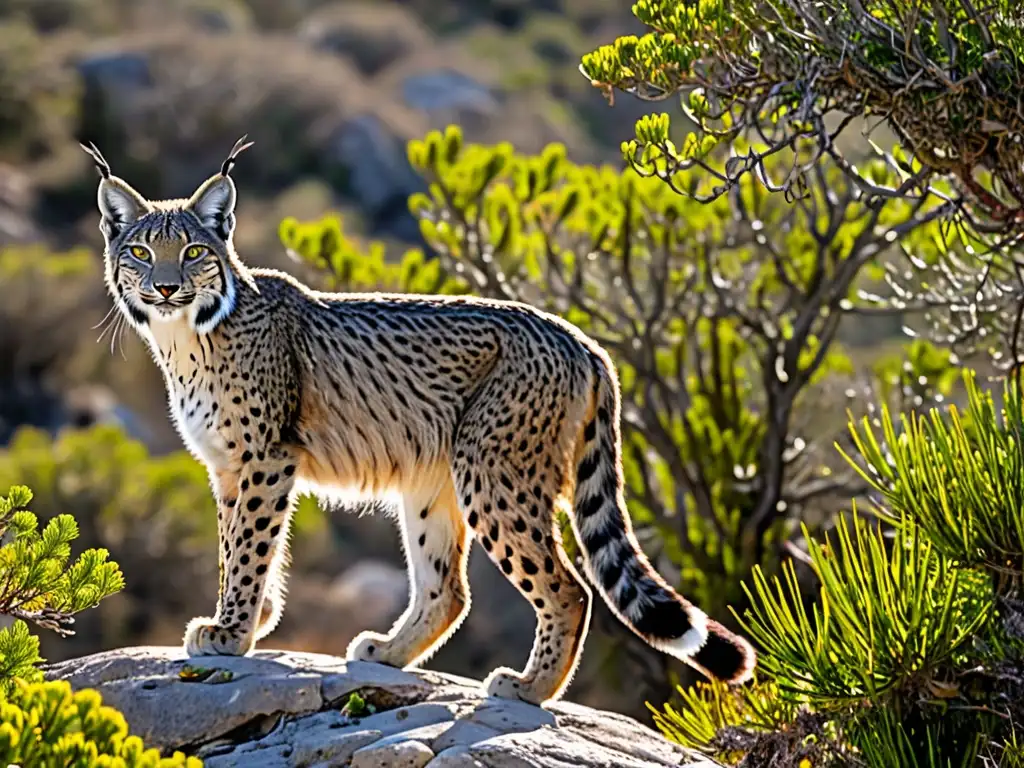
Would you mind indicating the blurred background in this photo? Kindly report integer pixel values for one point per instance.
(330, 90)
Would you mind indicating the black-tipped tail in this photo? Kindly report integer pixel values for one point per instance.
(724, 655)
(629, 584)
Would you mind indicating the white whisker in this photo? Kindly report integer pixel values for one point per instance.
(120, 338)
(109, 322)
(113, 308)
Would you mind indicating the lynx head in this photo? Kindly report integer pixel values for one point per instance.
(167, 259)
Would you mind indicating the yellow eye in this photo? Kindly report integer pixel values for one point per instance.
(140, 253)
(194, 252)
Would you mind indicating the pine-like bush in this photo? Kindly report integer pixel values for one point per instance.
(44, 724)
(911, 653)
(40, 583)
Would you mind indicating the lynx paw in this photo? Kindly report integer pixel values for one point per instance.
(506, 684)
(204, 638)
(372, 646)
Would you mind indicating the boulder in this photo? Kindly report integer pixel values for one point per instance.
(447, 89)
(276, 709)
(372, 35)
(115, 74)
(379, 174)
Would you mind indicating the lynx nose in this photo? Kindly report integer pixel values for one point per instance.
(167, 289)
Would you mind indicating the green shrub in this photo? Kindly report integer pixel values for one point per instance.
(908, 656)
(943, 76)
(41, 584)
(46, 725)
(43, 723)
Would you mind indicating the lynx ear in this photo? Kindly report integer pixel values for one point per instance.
(119, 204)
(214, 201)
(214, 204)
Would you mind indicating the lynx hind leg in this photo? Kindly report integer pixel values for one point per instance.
(436, 544)
(511, 510)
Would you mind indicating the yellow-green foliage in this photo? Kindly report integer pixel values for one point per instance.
(41, 583)
(45, 725)
(717, 314)
(349, 266)
(773, 75)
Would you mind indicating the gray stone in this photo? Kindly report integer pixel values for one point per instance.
(456, 757)
(508, 716)
(277, 757)
(112, 70)
(276, 708)
(319, 746)
(376, 161)
(407, 754)
(447, 89)
(463, 732)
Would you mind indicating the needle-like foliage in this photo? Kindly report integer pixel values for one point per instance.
(910, 654)
(40, 583)
(44, 723)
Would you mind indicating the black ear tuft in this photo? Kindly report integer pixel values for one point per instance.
(214, 202)
(240, 146)
(119, 204)
(97, 157)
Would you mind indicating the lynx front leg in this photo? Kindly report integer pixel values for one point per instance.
(253, 530)
(437, 550)
(274, 594)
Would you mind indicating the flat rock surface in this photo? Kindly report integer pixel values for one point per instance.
(277, 709)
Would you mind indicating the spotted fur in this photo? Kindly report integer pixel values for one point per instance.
(483, 417)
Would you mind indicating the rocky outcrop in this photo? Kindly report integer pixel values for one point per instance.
(276, 709)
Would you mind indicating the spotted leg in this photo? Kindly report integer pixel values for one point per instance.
(436, 547)
(275, 592)
(253, 532)
(511, 511)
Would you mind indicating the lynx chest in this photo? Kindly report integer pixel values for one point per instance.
(195, 377)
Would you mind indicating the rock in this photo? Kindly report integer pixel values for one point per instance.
(447, 89)
(382, 587)
(411, 753)
(379, 174)
(372, 35)
(275, 709)
(113, 75)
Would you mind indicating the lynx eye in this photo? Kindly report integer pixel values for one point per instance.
(139, 252)
(194, 252)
